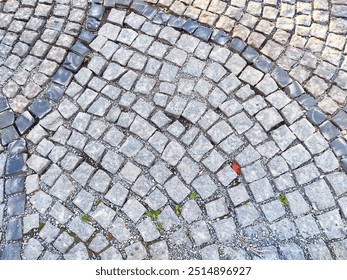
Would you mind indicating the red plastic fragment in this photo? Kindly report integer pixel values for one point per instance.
(236, 168)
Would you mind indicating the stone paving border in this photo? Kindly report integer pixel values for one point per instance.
(73, 62)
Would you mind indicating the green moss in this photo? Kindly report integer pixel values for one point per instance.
(159, 226)
(41, 225)
(192, 195)
(85, 218)
(153, 214)
(178, 210)
(283, 199)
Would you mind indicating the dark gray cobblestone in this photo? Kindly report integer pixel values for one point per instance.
(205, 132)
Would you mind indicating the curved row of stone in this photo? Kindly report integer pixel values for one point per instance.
(114, 139)
(307, 39)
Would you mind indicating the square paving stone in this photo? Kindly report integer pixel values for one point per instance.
(113, 137)
(94, 150)
(332, 224)
(103, 215)
(145, 157)
(251, 75)
(238, 194)
(269, 118)
(246, 215)
(277, 166)
(136, 251)
(100, 181)
(142, 128)
(247, 156)
(83, 230)
(112, 162)
(168, 218)
(231, 107)
(217, 97)
(216, 208)
(214, 161)
(306, 173)
(62, 188)
(173, 153)
(60, 213)
(337, 181)
(185, 86)
(130, 172)
(302, 129)
(296, 156)
(327, 161)
(307, 226)
(200, 147)
(119, 230)
(273, 210)
(226, 175)
(204, 186)
(319, 195)
(133, 209)
(41, 201)
(160, 172)
(176, 129)
(82, 174)
(209, 118)
(193, 111)
(225, 230)
(253, 172)
(256, 135)
(219, 131)
(131, 147)
(284, 229)
(188, 169)
(283, 137)
(148, 230)
(261, 189)
(156, 200)
(231, 144)
(229, 84)
(241, 123)
(159, 251)
(190, 136)
(33, 250)
(38, 164)
(63, 242)
(176, 189)
(215, 72)
(316, 143)
(200, 233)
(297, 203)
(319, 251)
(49, 232)
(98, 243)
(191, 211)
(117, 194)
(176, 106)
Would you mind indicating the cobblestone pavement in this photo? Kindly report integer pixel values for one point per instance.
(128, 132)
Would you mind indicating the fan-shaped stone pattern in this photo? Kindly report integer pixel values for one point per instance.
(131, 137)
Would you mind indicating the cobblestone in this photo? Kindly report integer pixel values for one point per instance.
(152, 111)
